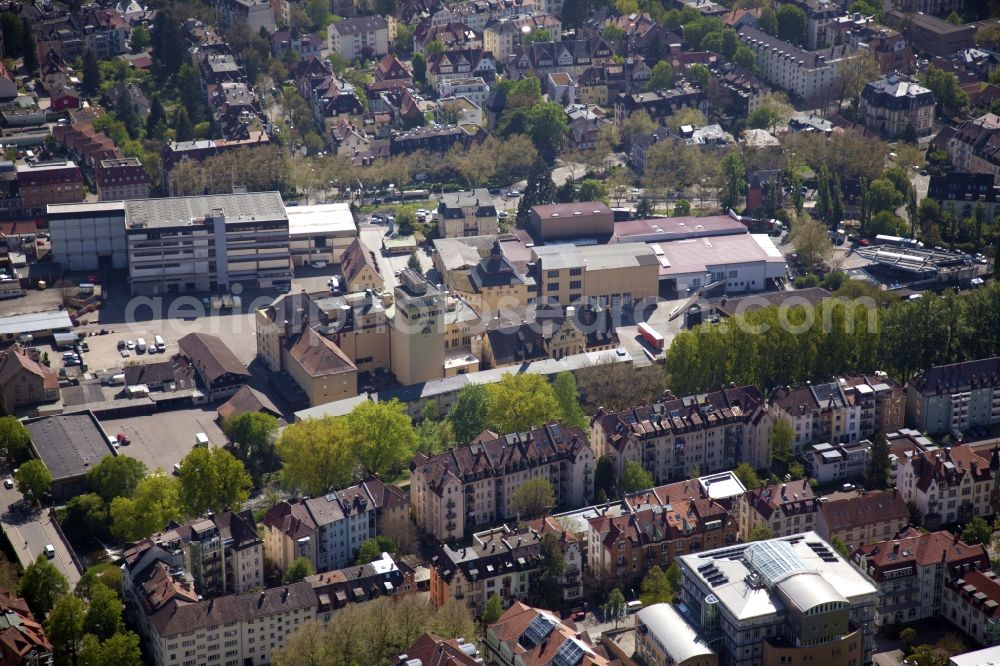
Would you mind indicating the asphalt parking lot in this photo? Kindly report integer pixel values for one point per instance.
(164, 438)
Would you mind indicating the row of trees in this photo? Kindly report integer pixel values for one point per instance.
(85, 627)
(789, 346)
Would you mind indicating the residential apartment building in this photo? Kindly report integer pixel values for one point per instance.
(870, 517)
(913, 570)
(791, 600)
(362, 37)
(255, 14)
(821, 20)
(207, 243)
(24, 381)
(785, 509)
(221, 553)
(961, 193)
(710, 432)
(329, 530)
(467, 214)
(607, 275)
(44, 183)
(842, 411)
(553, 333)
(808, 75)
(570, 56)
(473, 485)
(502, 561)
(836, 462)
(502, 36)
(474, 88)
(121, 179)
(972, 604)
(460, 64)
(494, 284)
(655, 533)
(358, 583)
(179, 628)
(953, 398)
(891, 106)
(22, 636)
(951, 484)
(975, 146)
(526, 635)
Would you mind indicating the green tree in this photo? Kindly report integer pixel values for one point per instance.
(14, 438)
(155, 502)
(183, 130)
(656, 588)
(551, 570)
(252, 435)
(796, 471)
(945, 86)
(614, 607)
(469, 414)
(372, 549)
(879, 464)
(760, 533)
(592, 189)
(382, 436)
(907, 636)
(570, 411)
(604, 477)
(769, 21)
(319, 14)
(781, 440)
(682, 208)
(519, 402)
(140, 38)
(86, 516)
(977, 531)
(533, 498)
(316, 455)
(734, 177)
(747, 476)
(104, 613)
(547, 126)
(298, 570)
(211, 479)
(635, 477)
(699, 74)
(41, 585)
(156, 121)
(122, 649)
(792, 24)
(745, 58)
(91, 74)
(64, 627)
(33, 480)
(419, 65)
(539, 190)
(493, 609)
(116, 476)
(662, 77)
(954, 18)
(537, 35)
(841, 547)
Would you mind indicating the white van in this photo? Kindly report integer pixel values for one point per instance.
(201, 439)
(116, 380)
(140, 346)
(50, 552)
(160, 344)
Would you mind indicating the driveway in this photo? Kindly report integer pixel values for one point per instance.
(29, 530)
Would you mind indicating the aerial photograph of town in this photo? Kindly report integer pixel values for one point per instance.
(500, 332)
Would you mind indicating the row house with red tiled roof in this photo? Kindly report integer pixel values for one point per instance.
(526, 636)
(786, 509)
(846, 410)
(912, 571)
(866, 518)
(710, 432)
(473, 485)
(506, 562)
(86, 144)
(953, 484)
(626, 546)
(972, 603)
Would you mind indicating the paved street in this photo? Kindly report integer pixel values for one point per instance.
(30, 530)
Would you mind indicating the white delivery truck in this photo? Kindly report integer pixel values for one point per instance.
(160, 344)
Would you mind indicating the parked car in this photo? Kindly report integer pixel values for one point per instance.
(123, 439)
(503, 214)
(863, 242)
(50, 552)
(8, 484)
(130, 344)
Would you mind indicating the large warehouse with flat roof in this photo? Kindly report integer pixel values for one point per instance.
(68, 445)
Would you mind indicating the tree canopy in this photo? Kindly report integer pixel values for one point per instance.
(635, 477)
(116, 476)
(533, 498)
(33, 480)
(469, 413)
(41, 585)
(211, 479)
(519, 402)
(155, 502)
